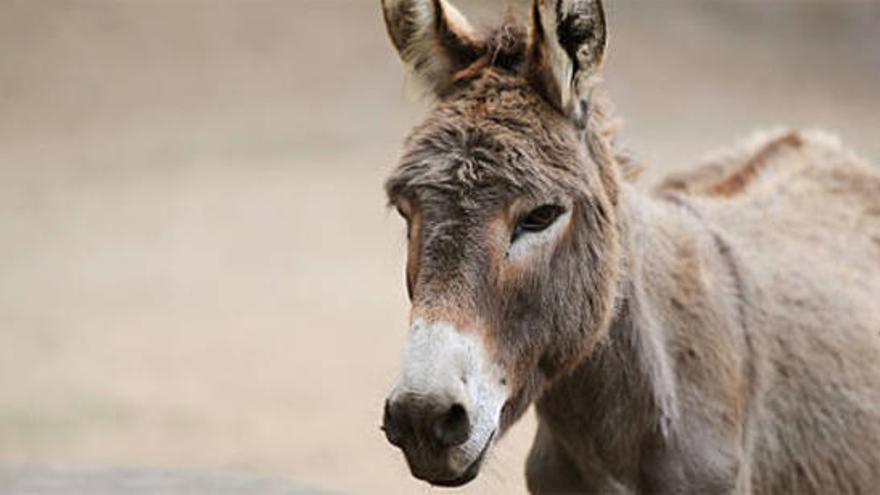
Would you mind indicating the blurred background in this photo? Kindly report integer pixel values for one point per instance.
(197, 269)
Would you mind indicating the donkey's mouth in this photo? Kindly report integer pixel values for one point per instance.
(470, 473)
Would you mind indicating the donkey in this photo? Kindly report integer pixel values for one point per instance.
(717, 334)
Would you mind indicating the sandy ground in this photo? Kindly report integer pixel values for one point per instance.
(196, 266)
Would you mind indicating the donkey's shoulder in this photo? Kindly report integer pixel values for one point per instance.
(765, 162)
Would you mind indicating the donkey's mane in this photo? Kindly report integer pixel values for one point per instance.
(506, 49)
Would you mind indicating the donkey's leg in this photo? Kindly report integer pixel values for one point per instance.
(551, 471)
(715, 470)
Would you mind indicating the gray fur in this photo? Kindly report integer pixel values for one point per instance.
(720, 334)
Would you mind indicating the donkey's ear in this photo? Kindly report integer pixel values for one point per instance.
(566, 50)
(433, 39)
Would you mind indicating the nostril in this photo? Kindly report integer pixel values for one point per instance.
(391, 427)
(452, 428)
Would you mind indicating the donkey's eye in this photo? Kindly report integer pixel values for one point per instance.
(537, 220)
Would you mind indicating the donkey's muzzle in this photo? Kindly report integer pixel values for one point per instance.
(445, 406)
(436, 424)
(427, 430)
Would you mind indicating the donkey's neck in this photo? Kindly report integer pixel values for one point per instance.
(621, 402)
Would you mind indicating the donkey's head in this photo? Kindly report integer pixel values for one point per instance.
(509, 194)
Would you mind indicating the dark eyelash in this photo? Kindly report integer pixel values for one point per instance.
(537, 220)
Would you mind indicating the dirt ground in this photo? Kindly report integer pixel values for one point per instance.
(196, 266)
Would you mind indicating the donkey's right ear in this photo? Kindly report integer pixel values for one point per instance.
(433, 38)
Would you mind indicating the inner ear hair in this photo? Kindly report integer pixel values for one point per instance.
(433, 39)
(567, 47)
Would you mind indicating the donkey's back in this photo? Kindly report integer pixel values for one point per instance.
(802, 214)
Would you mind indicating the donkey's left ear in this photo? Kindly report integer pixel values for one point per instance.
(433, 38)
(567, 47)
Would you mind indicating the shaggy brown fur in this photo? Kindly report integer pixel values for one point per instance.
(720, 335)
